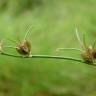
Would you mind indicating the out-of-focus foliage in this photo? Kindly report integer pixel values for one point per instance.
(18, 6)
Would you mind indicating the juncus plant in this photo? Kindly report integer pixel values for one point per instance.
(88, 53)
(22, 47)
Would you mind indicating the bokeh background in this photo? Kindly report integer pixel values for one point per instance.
(53, 26)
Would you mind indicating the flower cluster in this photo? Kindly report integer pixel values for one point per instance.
(87, 53)
(23, 47)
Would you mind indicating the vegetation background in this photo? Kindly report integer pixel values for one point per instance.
(53, 26)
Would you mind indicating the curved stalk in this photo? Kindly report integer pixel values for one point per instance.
(27, 33)
(46, 56)
(84, 41)
(79, 40)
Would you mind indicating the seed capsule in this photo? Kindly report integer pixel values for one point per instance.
(87, 57)
(94, 53)
(24, 48)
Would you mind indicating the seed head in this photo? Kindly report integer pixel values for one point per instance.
(94, 53)
(24, 48)
(87, 56)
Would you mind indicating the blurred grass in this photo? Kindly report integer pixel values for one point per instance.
(53, 27)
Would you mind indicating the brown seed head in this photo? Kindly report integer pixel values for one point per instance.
(87, 56)
(24, 48)
(94, 52)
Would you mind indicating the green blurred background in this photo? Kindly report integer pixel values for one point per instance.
(53, 26)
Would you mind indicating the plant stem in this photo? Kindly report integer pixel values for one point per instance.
(84, 41)
(94, 43)
(69, 49)
(46, 56)
(10, 47)
(79, 40)
(28, 31)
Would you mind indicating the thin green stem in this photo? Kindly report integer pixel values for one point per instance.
(13, 41)
(46, 56)
(69, 49)
(84, 41)
(94, 43)
(28, 31)
(79, 40)
(9, 47)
